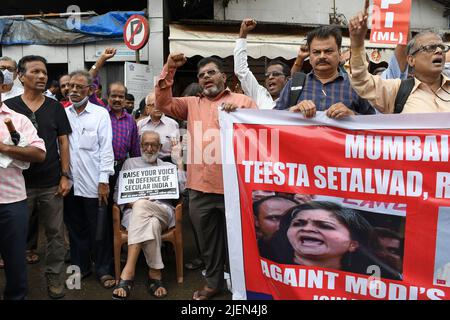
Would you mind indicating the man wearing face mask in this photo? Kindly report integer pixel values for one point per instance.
(8, 67)
(91, 164)
(145, 221)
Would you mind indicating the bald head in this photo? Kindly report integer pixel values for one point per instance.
(153, 135)
(150, 98)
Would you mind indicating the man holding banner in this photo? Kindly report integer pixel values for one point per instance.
(426, 54)
(205, 179)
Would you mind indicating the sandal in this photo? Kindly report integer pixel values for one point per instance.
(153, 285)
(32, 257)
(194, 264)
(104, 279)
(204, 294)
(126, 285)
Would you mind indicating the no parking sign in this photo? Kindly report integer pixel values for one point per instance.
(136, 31)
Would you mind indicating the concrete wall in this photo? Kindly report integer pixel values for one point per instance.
(425, 13)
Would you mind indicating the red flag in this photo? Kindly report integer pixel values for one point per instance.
(390, 21)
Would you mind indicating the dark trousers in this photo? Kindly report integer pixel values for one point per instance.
(113, 181)
(43, 203)
(33, 231)
(13, 236)
(81, 218)
(207, 212)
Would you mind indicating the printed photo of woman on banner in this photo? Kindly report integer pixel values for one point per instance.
(328, 235)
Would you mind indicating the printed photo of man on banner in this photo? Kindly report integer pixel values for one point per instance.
(319, 209)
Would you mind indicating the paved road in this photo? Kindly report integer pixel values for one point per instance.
(91, 289)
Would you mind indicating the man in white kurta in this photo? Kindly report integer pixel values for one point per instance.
(145, 221)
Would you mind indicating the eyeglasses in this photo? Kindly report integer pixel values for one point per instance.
(210, 73)
(77, 86)
(431, 48)
(273, 74)
(10, 69)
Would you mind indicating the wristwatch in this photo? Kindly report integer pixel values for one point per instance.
(65, 174)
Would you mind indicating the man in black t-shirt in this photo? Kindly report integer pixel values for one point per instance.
(47, 182)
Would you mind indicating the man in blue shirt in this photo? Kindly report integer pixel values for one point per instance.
(326, 88)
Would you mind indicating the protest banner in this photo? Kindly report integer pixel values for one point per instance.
(368, 201)
(390, 21)
(158, 182)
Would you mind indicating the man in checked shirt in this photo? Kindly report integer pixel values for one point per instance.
(326, 88)
(125, 134)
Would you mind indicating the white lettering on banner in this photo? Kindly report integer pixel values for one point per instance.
(392, 182)
(389, 22)
(319, 279)
(379, 36)
(297, 173)
(386, 3)
(302, 278)
(409, 148)
(370, 181)
(443, 185)
(389, 290)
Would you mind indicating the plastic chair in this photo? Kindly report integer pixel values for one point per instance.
(173, 235)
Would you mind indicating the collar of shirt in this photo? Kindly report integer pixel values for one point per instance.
(4, 108)
(417, 82)
(149, 119)
(341, 76)
(88, 108)
(219, 96)
(123, 115)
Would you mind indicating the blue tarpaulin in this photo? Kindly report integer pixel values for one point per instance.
(61, 31)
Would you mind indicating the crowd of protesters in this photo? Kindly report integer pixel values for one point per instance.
(62, 172)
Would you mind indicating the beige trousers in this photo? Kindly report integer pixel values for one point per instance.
(147, 222)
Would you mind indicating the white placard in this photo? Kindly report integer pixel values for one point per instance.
(159, 182)
(138, 80)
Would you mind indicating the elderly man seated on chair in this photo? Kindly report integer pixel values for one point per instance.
(146, 220)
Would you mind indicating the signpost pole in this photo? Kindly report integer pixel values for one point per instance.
(138, 60)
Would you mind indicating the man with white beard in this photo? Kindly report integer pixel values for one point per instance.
(145, 221)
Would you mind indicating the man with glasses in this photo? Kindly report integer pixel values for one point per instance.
(145, 221)
(47, 182)
(91, 164)
(425, 54)
(326, 87)
(8, 67)
(206, 200)
(276, 73)
(167, 128)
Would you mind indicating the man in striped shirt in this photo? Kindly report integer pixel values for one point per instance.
(326, 88)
